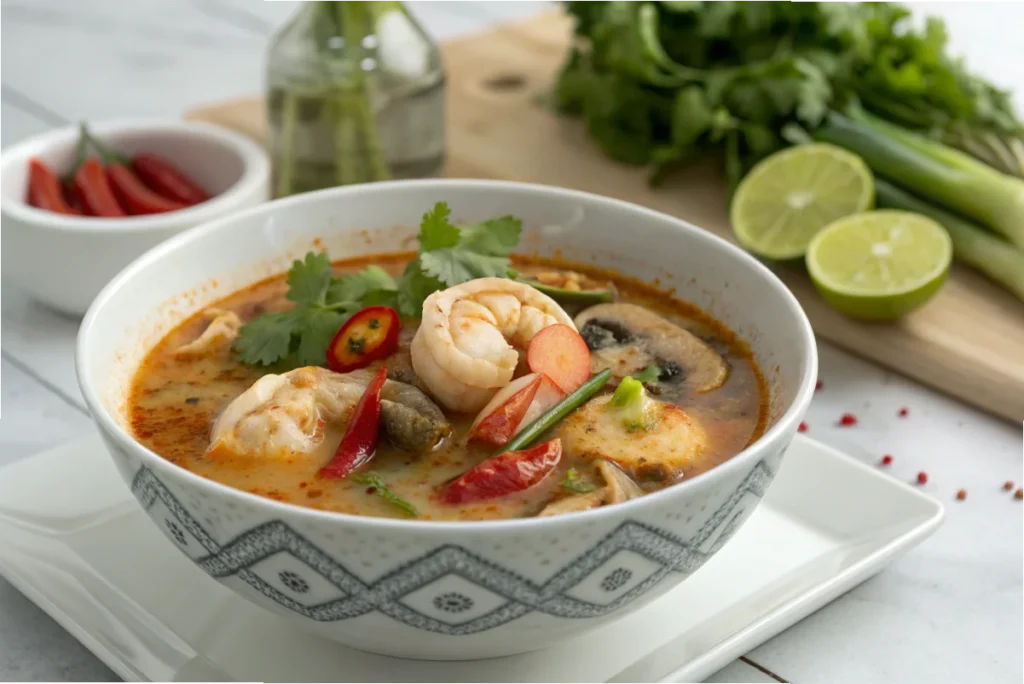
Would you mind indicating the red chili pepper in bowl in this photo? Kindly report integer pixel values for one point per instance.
(507, 473)
(165, 178)
(45, 191)
(92, 187)
(360, 440)
(370, 335)
(132, 193)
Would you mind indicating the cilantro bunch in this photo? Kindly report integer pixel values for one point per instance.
(448, 255)
(659, 83)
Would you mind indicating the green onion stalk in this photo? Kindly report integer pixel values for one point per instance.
(339, 103)
(933, 171)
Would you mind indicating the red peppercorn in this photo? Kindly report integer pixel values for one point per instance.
(903, 412)
(961, 495)
(848, 419)
(1019, 494)
(819, 385)
(887, 460)
(803, 427)
(1008, 485)
(922, 477)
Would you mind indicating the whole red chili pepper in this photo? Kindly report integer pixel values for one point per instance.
(45, 191)
(162, 176)
(133, 194)
(360, 440)
(93, 190)
(512, 471)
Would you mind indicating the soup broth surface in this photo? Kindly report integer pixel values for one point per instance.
(175, 401)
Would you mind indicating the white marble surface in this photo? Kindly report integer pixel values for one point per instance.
(950, 611)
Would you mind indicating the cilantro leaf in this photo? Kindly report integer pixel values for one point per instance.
(267, 339)
(380, 488)
(573, 483)
(436, 231)
(454, 266)
(415, 287)
(318, 327)
(352, 288)
(495, 237)
(309, 278)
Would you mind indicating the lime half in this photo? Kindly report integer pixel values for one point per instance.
(787, 198)
(880, 264)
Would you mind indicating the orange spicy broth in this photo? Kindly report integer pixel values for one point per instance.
(174, 402)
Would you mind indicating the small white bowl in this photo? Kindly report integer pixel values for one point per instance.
(445, 590)
(64, 261)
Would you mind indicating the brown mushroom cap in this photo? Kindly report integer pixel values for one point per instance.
(627, 337)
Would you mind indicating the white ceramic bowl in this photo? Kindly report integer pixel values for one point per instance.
(64, 261)
(430, 589)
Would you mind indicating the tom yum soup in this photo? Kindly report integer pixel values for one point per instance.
(460, 382)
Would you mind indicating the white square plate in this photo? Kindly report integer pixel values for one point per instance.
(74, 541)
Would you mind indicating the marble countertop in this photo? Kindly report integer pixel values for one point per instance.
(948, 611)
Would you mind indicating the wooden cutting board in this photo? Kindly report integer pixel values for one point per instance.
(968, 341)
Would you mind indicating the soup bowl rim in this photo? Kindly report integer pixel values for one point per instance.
(776, 434)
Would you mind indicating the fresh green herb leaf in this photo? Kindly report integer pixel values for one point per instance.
(496, 237)
(573, 483)
(436, 231)
(372, 479)
(455, 266)
(649, 374)
(354, 288)
(267, 339)
(308, 279)
(415, 287)
(318, 327)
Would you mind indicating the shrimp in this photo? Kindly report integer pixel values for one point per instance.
(301, 413)
(467, 344)
(223, 329)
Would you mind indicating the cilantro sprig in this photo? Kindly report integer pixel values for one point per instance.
(448, 255)
(380, 488)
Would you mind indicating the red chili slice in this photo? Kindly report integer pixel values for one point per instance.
(370, 335)
(44, 190)
(360, 440)
(500, 424)
(513, 471)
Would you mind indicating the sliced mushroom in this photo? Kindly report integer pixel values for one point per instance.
(620, 485)
(618, 488)
(223, 329)
(627, 338)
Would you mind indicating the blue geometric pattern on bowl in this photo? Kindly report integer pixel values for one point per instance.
(451, 590)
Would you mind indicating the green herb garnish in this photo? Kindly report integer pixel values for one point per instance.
(448, 255)
(573, 483)
(372, 479)
(649, 374)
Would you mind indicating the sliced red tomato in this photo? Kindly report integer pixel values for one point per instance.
(499, 420)
(370, 335)
(360, 440)
(508, 473)
(560, 353)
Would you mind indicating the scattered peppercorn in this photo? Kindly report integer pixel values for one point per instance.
(803, 427)
(903, 412)
(1019, 494)
(887, 460)
(961, 495)
(922, 477)
(848, 419)
(818, 385)
(1008, 485)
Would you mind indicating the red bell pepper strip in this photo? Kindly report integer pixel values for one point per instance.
(370, 335)
(507, 473)
(45, 191)
(166, 179)
(360, 440)
(92, 187)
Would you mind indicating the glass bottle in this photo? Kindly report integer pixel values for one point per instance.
(355, 93)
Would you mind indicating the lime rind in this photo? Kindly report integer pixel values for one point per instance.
(788, 197)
